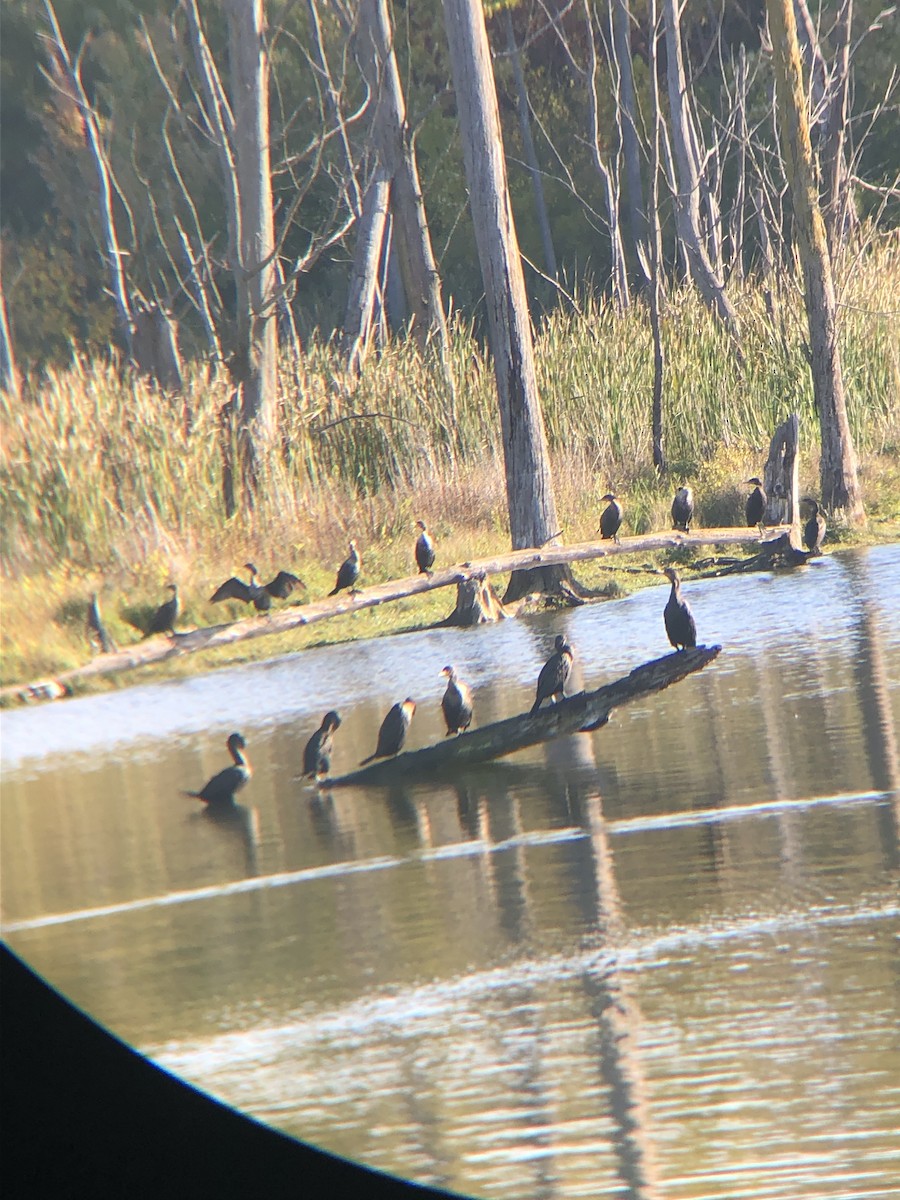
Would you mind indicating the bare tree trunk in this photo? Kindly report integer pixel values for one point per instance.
(687, 197)
(257, 345)
(395, 148)
(529, 484)
(656, 257)
(531, 162)
(364, 277)
(840, 213)
(742, 135)
(619, 269)
(9, 375)
(627, 106)
(838, 468)
(63, 64)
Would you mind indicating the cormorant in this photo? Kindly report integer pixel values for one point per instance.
(756, 502)
(163, 620)
(222, 787)
(610, 518)
(317, 753)
(683, 509)
(814, 529)
(348, 573)
(258, 594)
(96, 630)
(554, 673)
(456, 702)
(679, 619)
(392, 733)
(424, 549)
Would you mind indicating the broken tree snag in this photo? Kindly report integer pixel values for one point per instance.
(780, 476)
(586, 711)
(476, 603)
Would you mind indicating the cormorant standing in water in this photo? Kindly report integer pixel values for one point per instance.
(679, 619)
(317, 753)
(610, 518)
(96, 630)
(756, 502)
(258, 594)
(424, 549)
(348, 573)
(554, 673)
(683, 509)
(222, 787)
(814, 529)
(456, 703)
(163, 620)
(392, 733)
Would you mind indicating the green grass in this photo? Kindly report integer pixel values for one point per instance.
(112, 487)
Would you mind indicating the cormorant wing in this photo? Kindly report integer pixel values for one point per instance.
(232, 589)
(283, 584)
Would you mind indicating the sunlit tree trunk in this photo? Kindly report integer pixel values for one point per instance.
(656, 255)
(9, 376)
(631, 146)
(529, 483)
(837, 469)
(364, 276)
(257, 344)
(687, 199)
(397, 155)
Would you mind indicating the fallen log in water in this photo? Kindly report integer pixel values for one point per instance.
(158, 649)
(586, 711)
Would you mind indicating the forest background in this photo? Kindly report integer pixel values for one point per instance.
(116, 479)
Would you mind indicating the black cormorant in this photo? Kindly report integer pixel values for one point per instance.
(392, 733)
(756, 502)
(163, 620)
(222, 787)
(456, 702)
(679, 619)
(96, 630)
(348, 573)
(317, 753)
(424, 549)
(554, 673)
(260, 595)
(683, 509)
(814, 529)
(610, 518)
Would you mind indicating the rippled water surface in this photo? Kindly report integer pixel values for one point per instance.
(656, 960)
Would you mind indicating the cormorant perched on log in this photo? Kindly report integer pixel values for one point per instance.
(260, 595)
(96, 630)
(424, 549)
(683, 509)
(163, 620)
(679, 619)
(554, 673)
(456, 703)
(392, 733)
(814, 529)
(610, 518)
(222, 787)
(348, 573)
(756, 502)
(317, 753)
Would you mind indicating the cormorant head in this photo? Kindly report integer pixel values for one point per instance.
(814, 503)
(421, 525)
(563, 645)
(449, 671)
(672, 575)
(409, 707)
(352, 546)
(173, 588)
(236, 742)
(609, 496)
(248, 566)
(755, 481)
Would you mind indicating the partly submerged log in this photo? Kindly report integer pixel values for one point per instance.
(586, 711)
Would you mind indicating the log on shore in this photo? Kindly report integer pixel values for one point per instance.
(586, 711)
(158, 649)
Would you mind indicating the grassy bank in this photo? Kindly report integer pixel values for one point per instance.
(117, 489)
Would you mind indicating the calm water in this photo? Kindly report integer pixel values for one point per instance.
(657, 960)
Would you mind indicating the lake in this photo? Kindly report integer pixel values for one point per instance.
(660, 959)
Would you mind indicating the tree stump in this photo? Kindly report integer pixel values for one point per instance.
(476, 603)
